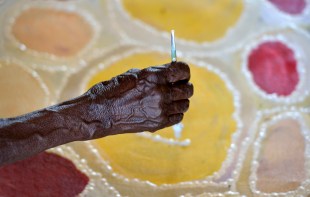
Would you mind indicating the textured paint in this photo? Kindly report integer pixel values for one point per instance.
(18, 97)
(45, 174)
(52, 31)
(293, 7)
(198, 20)
(274, 68)
(282, 158)
(208, 124)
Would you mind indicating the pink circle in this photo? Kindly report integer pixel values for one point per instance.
(293, 7)
(274, 68)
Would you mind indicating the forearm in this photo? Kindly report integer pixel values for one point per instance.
(32, 133)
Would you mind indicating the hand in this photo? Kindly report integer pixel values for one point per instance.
(140, 100)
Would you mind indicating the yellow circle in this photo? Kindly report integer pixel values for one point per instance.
(52, 31)
(198, 20)
(20, 91)
(208, 124)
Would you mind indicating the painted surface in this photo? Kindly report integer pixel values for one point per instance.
(198, 20)
(282, 158)
(293, 7)
(208, 124)
(52, 31)
(274, 68)
(20, 91)
(45, 174)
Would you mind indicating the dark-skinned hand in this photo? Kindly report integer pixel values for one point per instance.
(141, 100)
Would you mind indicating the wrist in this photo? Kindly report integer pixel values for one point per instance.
(69, 115)
(89, 117)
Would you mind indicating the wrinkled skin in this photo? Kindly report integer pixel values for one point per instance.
(143, 100)
(135, 101)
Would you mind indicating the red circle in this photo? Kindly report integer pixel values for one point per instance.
(45, 174)
(274, 68)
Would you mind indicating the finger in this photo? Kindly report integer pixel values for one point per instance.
(175, 118)
(177, 71)
(155, 74)
(167, 73)
(126, 81)
(178, 107)
(181, 91)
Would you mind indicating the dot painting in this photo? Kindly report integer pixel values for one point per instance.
(246, 132)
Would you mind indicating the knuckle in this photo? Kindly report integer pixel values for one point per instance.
(191, 89)
(98, 88)
(152, 77)
(184, 66)
(183, 106)
(186, 105)
(176, 118)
